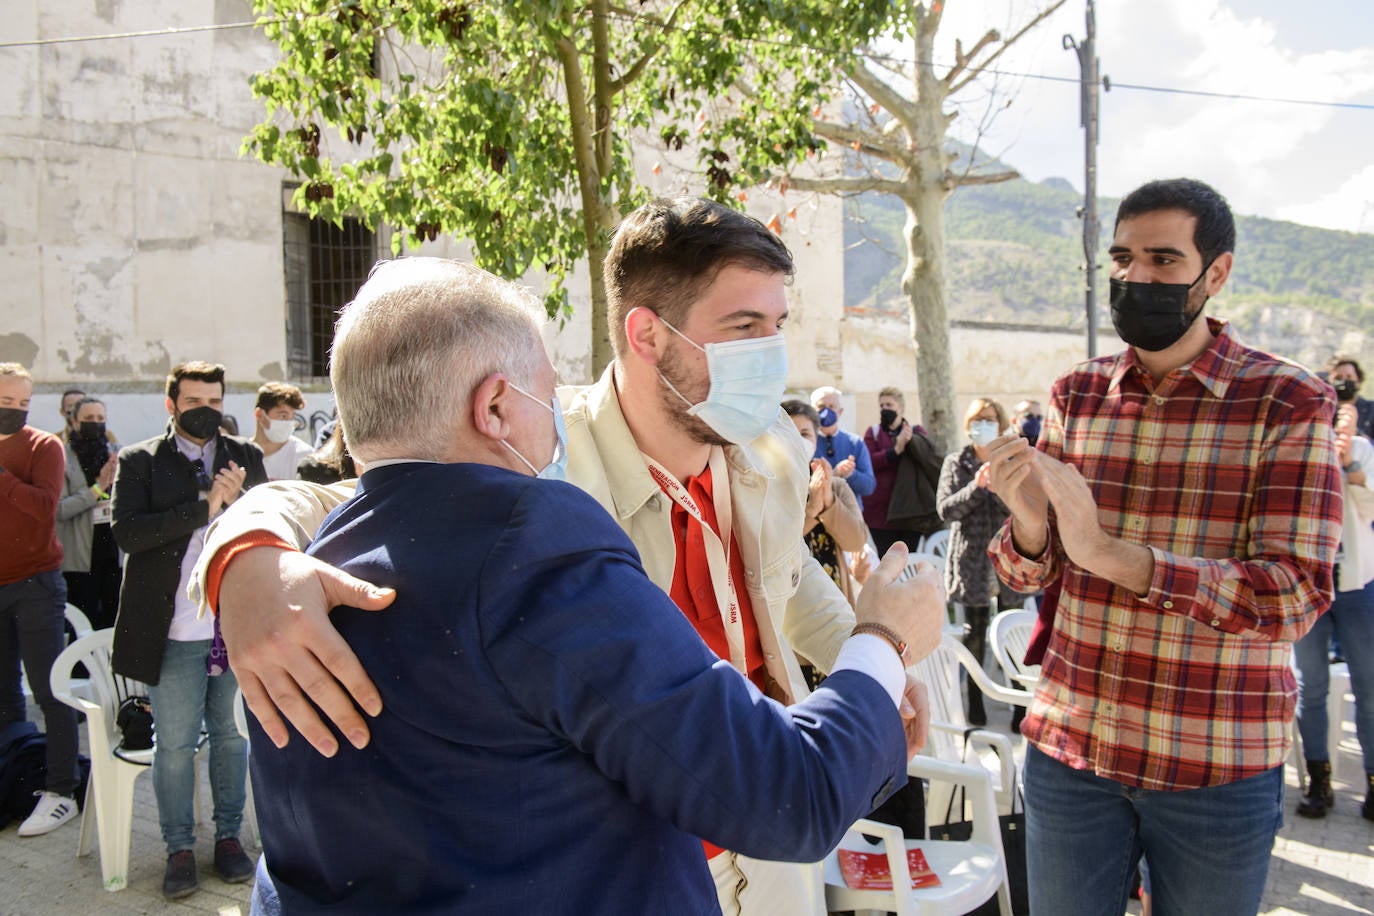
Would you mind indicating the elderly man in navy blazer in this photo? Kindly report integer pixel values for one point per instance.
(555, 737)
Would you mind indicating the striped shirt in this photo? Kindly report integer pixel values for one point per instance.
(1226, 470)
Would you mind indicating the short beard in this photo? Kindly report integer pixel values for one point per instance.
(670, 368)
(1197, 301)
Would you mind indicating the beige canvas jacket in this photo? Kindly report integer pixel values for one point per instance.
(797, 606)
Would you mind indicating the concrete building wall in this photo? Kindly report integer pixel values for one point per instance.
(132, 236)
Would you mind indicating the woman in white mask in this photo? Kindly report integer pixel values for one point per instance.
(974, 514)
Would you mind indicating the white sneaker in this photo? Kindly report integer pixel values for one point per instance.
(51, 812)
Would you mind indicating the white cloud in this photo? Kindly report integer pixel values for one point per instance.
(1269, 158)
(1349, 207)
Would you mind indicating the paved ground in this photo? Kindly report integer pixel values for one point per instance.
(1320, 868)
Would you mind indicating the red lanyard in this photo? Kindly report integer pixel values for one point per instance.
(717, 545)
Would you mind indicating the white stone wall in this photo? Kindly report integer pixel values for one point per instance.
(132, 236)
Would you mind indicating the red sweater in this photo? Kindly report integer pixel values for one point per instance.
(34, 465)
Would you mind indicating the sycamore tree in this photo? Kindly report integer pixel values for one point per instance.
(511, 125)
(899, 144)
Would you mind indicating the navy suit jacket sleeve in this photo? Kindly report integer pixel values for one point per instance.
(591, 650)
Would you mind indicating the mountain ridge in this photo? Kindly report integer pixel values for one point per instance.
(1014, 255)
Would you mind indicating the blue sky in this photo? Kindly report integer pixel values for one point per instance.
(1307, 164)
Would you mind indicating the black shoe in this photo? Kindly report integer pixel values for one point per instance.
(1367, 812)
(231, 863)
(1319, 798)
(180, 878)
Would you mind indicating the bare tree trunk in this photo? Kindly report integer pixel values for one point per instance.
(592, 152)
(602, 351)
(923, 282)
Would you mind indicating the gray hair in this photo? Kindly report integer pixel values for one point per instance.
(824, 391)
(408, 351)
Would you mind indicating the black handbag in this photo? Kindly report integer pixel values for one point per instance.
(1013, 829)
(135, 722)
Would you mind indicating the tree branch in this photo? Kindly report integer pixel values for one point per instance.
(583, 137)
(844, 185)
(968, 179)
(601, 85)
(881, 92)
(962, 60)
(871, 143)
(974, 73)
(629, 76)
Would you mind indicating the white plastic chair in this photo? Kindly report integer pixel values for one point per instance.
(1009, 633)
(971, 871)
(937, 543)
(948, 726)
(81, 625)
(917, 557)
(110, 792)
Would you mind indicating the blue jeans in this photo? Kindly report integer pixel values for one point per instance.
(1208, 848)
(184, 697)
(1350, 619)
(31, 615)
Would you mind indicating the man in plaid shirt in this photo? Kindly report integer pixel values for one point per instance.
(1186, 493)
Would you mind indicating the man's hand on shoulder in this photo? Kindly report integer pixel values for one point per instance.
(274, 609)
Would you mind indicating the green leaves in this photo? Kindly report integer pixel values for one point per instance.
(509, 124)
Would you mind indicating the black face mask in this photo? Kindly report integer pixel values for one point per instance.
(1152, 316)
(12, 419)
(90, 429)
(888, 418)
(200, 422)
(1345, 389)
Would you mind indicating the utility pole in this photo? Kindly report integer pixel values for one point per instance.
(1088, 67)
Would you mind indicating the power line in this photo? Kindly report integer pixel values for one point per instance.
(1172, 90)
(1113, 84)
(1138, 87)
(150, 33)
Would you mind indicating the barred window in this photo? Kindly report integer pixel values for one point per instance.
(324, 264)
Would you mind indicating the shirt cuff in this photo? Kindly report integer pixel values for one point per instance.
(1174, 585)
(874, 656)
(214, 571)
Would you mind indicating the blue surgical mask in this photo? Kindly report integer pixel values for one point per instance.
(748, 378)
(982, 431)
(557, 469)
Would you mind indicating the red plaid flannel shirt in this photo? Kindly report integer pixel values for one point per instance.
(1226, 469)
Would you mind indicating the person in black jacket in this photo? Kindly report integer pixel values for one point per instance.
(166, 491)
